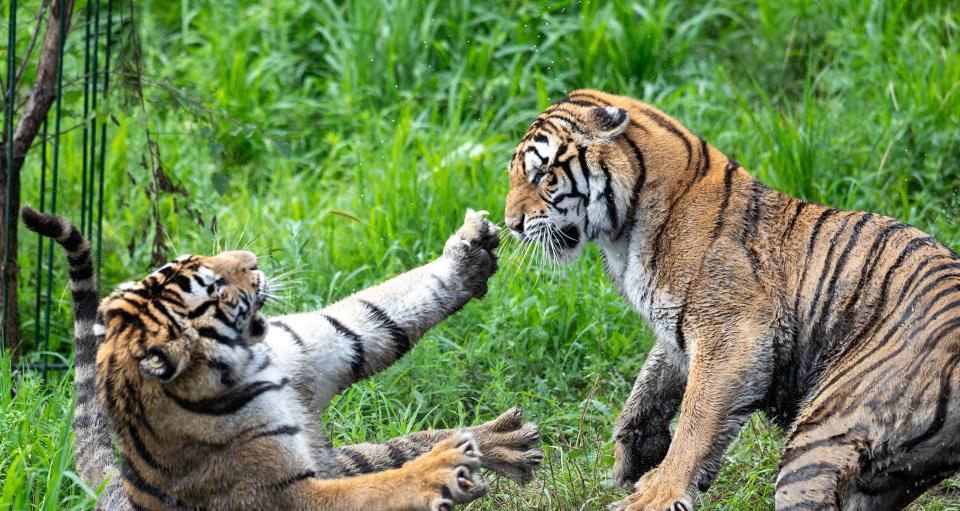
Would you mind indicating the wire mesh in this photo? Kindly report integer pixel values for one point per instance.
(95, 85)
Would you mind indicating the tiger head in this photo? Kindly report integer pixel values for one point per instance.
(192, 314)
(572, 174)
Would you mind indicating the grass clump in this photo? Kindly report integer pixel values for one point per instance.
(343, 141)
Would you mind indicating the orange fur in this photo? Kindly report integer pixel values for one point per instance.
(832, 322)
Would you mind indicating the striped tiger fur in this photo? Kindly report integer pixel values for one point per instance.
(844, 326)
(211, 401)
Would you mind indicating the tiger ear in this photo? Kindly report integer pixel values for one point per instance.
(607, 122)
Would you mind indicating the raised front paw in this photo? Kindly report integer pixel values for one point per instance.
(656, 493)
(510, 446)
(445, 474)
(637, 449)
(472, 248)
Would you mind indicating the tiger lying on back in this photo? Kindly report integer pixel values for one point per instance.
(842, 325)
(212, 409)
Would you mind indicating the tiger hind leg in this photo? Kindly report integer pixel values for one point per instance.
(835, 465)
(817, 470)
(510, 447)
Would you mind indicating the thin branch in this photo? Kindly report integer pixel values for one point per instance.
(44, 91)
(26, 56)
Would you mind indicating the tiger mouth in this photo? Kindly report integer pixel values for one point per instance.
(558, 242)
(569, 237)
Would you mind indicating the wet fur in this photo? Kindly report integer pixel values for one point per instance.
(843, 326)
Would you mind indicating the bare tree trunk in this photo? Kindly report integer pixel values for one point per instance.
(38, 106)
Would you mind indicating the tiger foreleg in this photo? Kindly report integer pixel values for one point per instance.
(328, 350)
(509, 447)
(434, 481)
(642, 431)
(718, 399)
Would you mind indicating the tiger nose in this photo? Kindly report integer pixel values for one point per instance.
(517, 225)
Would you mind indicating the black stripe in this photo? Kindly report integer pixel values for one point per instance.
(85, 303)
(681, 340)
(286, 328)
(85, 390)
(585, 172)
(877, 249)
(574, 189)
(837, 270)
(141, 448)
(229, 402)
(808, 472)
(73, 241)
(793, 221)
(806, 264)
(86, 353)
(873, 324)
(82, 421)
(358, 358)
(290, 481)
(82, 273)
(183, 282)
(108, 390)
(280, 431)
(212, 333)
(598, 99)
(359, 460)
(440, 283)
(794, 452)
(133, 477)
(221, 316)
(827, 407)
(827, 261)
(608, 194)
(223, 368)
(396, 455)
(127, 319)
(705, 156)
(401, 341)
(588, 96)
(943, 400)
(80, 258)
(909, 248)
(670, 127)
(751, 225)
(585, 104)
(201, 309)
(641, 178)
(731, 167)
(533, 149)
(160, 306)
(573, 125)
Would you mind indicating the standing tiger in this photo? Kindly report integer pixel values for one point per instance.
(212, 409)
(844, 326)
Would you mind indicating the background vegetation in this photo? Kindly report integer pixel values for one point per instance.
(344, 140)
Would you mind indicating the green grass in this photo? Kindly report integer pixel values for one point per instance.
(343, 142)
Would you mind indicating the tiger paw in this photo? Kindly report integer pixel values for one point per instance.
(472, 249)
(655, 493)
(637, 450)
(445, 474)
(510, 446)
